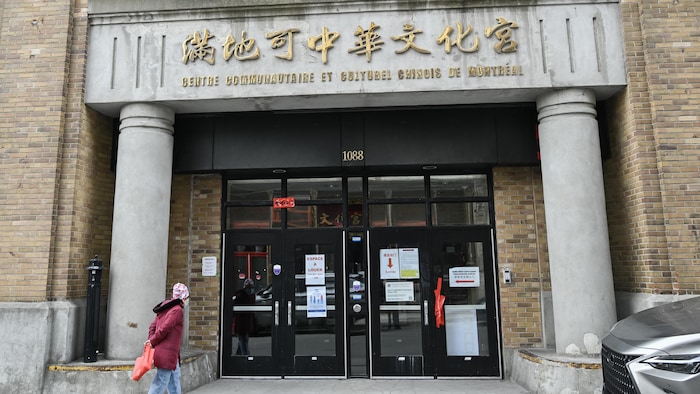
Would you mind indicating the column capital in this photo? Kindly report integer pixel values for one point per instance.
(566, 102)
(152, 116)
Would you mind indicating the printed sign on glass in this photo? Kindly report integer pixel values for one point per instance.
(408, 263)
(398, 291)
(464, 277)
(316, 301)
(315, 269)
(389, 261)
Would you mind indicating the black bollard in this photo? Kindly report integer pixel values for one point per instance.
(92, 318)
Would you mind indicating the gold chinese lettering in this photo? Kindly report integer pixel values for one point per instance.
(445, 38)
(196, 46)
(282, 38)
(368, 41)
(324, 220)
(502, 31)
(238, 50)
(326, 39)
(409, 38)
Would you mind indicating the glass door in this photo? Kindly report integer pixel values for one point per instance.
(315, 345)
(464, 323)
(281, 317)
(398, 280)
(254, 298)
(400, 296)
(433, 303)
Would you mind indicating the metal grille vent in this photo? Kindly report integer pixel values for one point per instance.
(616, 378)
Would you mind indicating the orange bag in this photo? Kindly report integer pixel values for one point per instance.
(143, 363)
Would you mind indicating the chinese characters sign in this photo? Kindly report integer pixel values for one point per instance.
(306, 54)
(301, 56)
(197, 46)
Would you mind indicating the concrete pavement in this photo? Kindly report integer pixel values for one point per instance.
(307, 386)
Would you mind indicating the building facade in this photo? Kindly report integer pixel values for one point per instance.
(417, 189)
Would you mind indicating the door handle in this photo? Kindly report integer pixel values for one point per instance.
(426, 320)
(277, 313)
(289, 313)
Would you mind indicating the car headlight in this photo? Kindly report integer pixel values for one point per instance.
(688, 364)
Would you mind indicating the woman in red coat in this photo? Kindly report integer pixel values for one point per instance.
(165, 335)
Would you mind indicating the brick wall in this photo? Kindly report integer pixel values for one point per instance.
(653, 177)
(195, 232)
(50, 205)
(86, 188)
(670, 35)
(522, 247)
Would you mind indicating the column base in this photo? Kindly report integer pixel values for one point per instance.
(545, 371)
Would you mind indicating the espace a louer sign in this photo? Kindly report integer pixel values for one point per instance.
(345, 58)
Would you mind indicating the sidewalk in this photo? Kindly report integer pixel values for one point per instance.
(398, 386)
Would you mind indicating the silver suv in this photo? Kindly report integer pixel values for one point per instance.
(654, 351)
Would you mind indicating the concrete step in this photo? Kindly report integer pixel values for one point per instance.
(198, 368)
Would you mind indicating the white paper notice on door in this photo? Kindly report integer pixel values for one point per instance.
(315, 269)
(465, 277)
(316, 301)
(408, 263)
(389, 260)
(398, 291)
(461, 331)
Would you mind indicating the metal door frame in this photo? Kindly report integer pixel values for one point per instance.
(281, 315)
(424, 327)
(485, 234)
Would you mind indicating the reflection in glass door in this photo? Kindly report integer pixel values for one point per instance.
(253, 297)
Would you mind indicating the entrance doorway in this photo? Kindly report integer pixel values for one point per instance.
(293, 323)
(434, 303)
(371, 300)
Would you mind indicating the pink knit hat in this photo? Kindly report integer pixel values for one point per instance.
(180, 291)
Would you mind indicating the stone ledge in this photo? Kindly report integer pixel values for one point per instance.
(545, 371)
(114, 376)
(542, 356)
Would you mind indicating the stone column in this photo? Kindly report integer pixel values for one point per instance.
(577, 231)
(138, 264)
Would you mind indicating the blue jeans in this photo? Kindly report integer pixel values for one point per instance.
(243, 345)
(166, 378)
